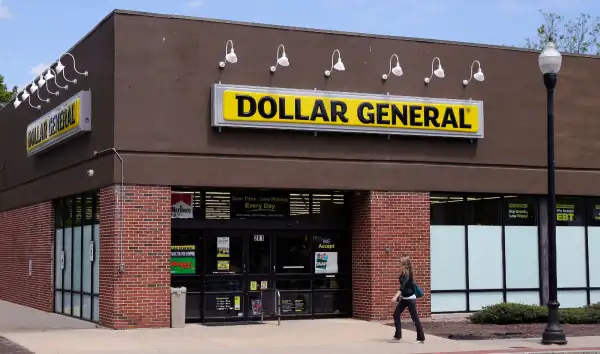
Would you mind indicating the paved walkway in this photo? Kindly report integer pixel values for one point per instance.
(51, 334)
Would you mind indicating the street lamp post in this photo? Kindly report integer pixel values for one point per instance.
(550, 61)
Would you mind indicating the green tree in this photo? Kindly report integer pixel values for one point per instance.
(580, 35)
(5, 94)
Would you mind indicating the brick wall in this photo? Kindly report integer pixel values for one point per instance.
(27, 234)
(138, 297)
(398, 221)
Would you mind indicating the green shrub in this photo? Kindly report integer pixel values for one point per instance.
(509, 313)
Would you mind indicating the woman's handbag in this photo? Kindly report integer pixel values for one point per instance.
(418, 290)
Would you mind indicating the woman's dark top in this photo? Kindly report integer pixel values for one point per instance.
(407, 285)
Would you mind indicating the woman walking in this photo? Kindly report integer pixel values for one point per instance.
(406, 297)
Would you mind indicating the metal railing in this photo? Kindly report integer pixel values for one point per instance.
(276, 297)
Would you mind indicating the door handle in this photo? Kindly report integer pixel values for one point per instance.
(91, 251)
(62, 259)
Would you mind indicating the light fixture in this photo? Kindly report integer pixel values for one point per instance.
(51, 74)
(26, 96)
(229, 55)
(550, 59)
(35, 88)
(60, 67)
(17, 102)
(281, 60)
(478, 75)
(439, 72)
(338, 66)
(396, 70)
(41, 83)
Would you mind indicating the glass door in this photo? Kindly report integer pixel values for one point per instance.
(225, 269)
(259, 276)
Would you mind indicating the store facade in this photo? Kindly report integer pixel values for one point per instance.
(173, 163)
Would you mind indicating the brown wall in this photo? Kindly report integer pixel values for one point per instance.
(61, 171)
(172, 64)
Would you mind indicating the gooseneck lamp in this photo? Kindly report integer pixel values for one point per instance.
(25, 96)
(281, 60)
(230, 55)
(477, 76)
(550, 61)
(41, 83)
(338, 66)
(439, 72)
(396, 70)
(51, 74)
(34, 89)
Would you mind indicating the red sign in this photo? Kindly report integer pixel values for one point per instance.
(181, 206)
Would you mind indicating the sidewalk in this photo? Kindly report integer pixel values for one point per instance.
(314, 336)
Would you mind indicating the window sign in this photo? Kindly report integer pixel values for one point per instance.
(569, 212)
(260, 205)
(223, 252)
(183, 259)
(326, 256)
(519, 211)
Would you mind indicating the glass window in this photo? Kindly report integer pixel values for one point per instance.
(331, 302)
(293, 254)
(447, 210)
(484, 210)
(293, 284)
(224, 255)
(569, 211)
(520, 211)
(593, 212)
(229, 285)
(259, 258)
(331, 283)
(295, 304)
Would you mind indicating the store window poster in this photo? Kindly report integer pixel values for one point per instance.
(183, 259)
(326, 262)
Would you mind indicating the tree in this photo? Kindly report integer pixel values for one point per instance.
(5, 94)
(580, 35)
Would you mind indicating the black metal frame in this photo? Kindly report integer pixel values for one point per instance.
(275, 228)
(68, 219)
(467, 291)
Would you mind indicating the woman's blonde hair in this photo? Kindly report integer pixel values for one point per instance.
(406, 265)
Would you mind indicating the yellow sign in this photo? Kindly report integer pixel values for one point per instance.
(60, 123)
(253, 285)
(236, 303)
(330, 111)
(222, 265)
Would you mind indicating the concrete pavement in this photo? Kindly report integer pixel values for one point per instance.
(44, 333)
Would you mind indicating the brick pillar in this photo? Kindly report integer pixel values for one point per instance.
(398, 221)
(27, 234)
(138, 297)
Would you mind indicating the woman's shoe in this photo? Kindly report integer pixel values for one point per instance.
(396, 337)
(419, 342)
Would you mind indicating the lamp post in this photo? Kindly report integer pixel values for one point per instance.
(549, 62)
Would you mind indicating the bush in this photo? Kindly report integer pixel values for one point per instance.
(510, 313)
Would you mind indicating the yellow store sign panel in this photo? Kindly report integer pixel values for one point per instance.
(278, 108)
(70, 118)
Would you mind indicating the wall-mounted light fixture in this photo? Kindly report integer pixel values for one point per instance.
(34, 89)
(229, 55)
(17, 103)
(281, 60)
(396, 70)
(477, 76)
(41, 83)
(61, 68)
(338, 66)
(51, 74)
(25, 96)
(439, 72)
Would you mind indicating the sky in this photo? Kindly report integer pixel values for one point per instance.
(36, 32)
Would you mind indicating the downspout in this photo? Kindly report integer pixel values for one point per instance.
(120, 199)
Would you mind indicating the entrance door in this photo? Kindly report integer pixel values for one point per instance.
(259, 276)
(238, 266)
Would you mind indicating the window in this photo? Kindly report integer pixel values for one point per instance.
(447, 210)
(484, 210)
(293, 254)
(260, 254)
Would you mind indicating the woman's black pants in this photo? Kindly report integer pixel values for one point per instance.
(412, 308)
